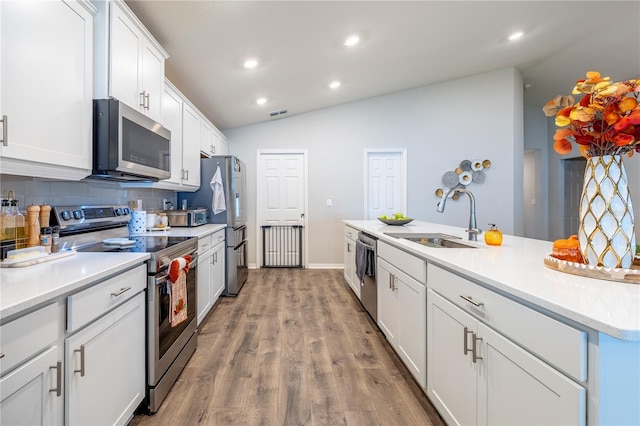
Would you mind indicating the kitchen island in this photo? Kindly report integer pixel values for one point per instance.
(584, 331)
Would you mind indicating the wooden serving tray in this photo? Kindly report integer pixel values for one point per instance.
(631, 275)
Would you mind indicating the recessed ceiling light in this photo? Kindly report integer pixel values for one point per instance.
(250, 63)
(516, 36)
(334, 84)
(261, 101)
(352, 40)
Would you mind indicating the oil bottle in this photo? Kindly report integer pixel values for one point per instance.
(21, 235)
(7, 227)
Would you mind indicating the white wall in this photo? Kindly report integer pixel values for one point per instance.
(536, 138)
(477, 117)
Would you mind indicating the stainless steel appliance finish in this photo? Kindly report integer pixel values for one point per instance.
(127, 145)
(89, 218)
(190, 218)
(234, 184)
(369, 286)
(168, 348)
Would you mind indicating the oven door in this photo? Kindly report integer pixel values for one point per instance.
(164, 341)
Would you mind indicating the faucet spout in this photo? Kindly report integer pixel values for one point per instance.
(473, 229)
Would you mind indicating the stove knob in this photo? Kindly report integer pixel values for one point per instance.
(126, 210)
(66, 215)
(118, 211)
(77, 214)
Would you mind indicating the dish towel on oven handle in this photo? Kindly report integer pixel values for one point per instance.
(218, 204)
(178, 276)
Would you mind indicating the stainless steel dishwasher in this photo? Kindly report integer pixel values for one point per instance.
(368, 283)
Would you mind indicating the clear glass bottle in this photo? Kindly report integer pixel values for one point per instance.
(21, 235)
(7, 228)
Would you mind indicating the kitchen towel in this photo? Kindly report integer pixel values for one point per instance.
(178, 276)
(218, 203)
(364, 263)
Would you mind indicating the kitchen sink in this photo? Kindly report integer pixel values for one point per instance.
(436, 240)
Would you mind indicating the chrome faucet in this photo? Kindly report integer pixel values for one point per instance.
(473, 230)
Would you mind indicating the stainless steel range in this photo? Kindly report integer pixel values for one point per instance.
(86, 228)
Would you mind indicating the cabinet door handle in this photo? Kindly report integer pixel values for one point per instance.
(5, 130)
(390, 278)
(215, 258)
(146, 101)
(470, 300)
(1, 355)
(474, 349)
(119, 292)
(58, 388)
(142, 96)
(466, 350)
(187, 174)
(213, 150)
(81, 350)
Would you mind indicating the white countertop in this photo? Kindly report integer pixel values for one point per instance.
(517, 269)
(30, 286)
(197, 231)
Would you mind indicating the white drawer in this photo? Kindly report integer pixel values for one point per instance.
(217, 237)
(350, 233)
(556, 342)
(204, 244)
(407, 263)
(27, 336)
(84, 306)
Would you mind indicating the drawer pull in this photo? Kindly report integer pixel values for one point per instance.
(474, 349)
(473, 302)
(1, 355)
(81, 350)
(119, 292)
(58, 388)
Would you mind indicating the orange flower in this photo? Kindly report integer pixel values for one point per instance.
(605, 121)
(562, 146)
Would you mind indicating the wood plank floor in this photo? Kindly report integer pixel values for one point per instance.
(295, 347)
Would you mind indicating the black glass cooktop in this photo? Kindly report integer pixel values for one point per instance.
(143, 244)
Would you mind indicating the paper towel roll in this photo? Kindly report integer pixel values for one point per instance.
(138, 222)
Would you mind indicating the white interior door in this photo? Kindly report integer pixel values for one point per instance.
(386, 183)
(282, 198)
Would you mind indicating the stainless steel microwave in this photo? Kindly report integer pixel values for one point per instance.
(128, 145)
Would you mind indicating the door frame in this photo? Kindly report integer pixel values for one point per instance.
(403, 177)
(305, 221)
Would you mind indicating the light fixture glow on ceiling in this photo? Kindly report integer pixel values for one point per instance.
(261, 101)
(334, 84)
(251, 63)
(352, 40)
(515, 36)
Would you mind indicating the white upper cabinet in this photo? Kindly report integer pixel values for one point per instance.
(46, 69)
(129, 62)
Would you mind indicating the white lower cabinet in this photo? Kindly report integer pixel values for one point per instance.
(350, 236)
(105, 367)
(211, 277)
(31, 369)
(32, 394)
(478, 376)
(204, 294)
(402, 317)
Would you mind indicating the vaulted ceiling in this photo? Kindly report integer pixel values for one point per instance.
(403, 45)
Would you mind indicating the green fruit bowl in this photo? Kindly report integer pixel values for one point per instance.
(395, 221)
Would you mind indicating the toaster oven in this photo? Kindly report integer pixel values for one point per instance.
(190, 218)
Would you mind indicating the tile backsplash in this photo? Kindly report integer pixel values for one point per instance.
(59, 193)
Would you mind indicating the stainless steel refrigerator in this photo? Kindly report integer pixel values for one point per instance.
(232, 188)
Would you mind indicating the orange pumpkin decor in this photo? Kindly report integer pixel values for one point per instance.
(493, 237)
(568, 250)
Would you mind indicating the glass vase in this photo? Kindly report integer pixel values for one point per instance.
(607, 233)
